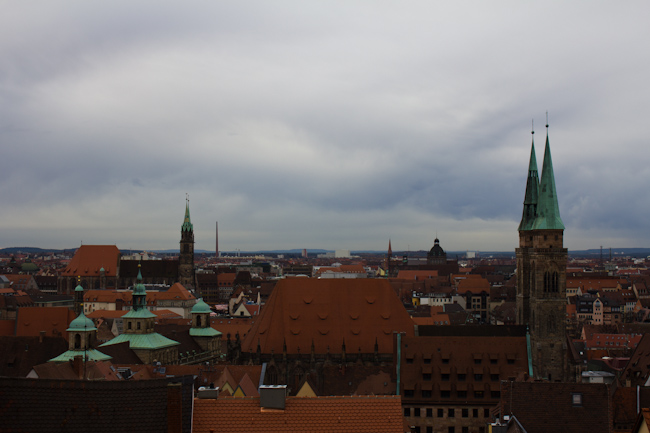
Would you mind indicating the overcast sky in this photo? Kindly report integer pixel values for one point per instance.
(331, 124)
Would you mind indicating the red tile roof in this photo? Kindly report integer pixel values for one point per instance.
(89, 259)
(315, 414)
(53, 320)
(328, 312)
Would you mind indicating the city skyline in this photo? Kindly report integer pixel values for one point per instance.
(334, 126)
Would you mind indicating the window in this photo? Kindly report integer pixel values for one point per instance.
(416, 429)
(444, 377)
(475, 413)
(426, 376)
(486, 413)
(445, 360)
(429, 413)
(451, 413)
(409, 360)
(576, 399)
(408, 393)
(451, 429)
(478, 394)
(495, 394)
(465, 430)
(494, 377)
(416, 411)
(511, 361)
(478, 377)
(429, 429)
(477, 361)
(441, 413)
(445, 394)
(427, 360)
(426, 393)
(465, 413)
(461, 394)
(407, 411)
(461, 377)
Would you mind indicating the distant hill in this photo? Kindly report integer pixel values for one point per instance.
(590, 253)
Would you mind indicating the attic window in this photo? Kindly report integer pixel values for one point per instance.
(576, 399)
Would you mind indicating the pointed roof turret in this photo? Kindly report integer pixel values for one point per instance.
(548, 210)
(139, 292)
(187, 223)
(532, 192)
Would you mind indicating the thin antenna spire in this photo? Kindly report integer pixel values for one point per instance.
(532, 123)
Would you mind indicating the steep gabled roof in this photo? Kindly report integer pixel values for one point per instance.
(327, 313)
(89, 259)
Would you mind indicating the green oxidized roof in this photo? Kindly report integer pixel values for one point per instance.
(139, 287)
(548, 210)
(201, 307)
(91, 355)
(187, 224)
(142, 313)
(79, 288)
(532, 191)
(82, 323)
(143, 341)
(204, 332)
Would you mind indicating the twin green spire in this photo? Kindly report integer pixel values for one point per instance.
(541, 209)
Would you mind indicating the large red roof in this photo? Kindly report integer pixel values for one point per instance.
(328, 312)
(308, 414)
(89, 259)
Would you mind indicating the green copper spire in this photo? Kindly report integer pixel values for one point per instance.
(532, 193)
(187, 223)
(548, 210)
(139, 293)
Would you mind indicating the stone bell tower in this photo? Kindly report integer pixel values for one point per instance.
(541, 272)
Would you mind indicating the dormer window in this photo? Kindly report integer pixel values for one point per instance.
(576, 399)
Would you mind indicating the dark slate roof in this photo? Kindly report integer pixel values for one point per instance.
(44, 405)
(20, 354)
(150, 268)
(545, 407)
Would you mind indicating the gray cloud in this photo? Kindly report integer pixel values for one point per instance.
(331, 125)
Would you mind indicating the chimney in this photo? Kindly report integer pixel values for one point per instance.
(78, 366)
(174, 408)
(273, 396)
(205, 392)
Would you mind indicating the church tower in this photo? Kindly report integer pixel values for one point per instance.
(541, 271)
(186, 257)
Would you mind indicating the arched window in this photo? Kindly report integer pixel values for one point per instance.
(77, 341)
(198, 321)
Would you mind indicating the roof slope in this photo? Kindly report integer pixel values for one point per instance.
(89, 259)
(327, 313)
(315, 414)
(543, 407)
(53, 320)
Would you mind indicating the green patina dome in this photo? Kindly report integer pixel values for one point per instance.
(82, 323)
(79, 288)
(201, 307)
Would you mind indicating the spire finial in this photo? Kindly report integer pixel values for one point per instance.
(547, 122)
